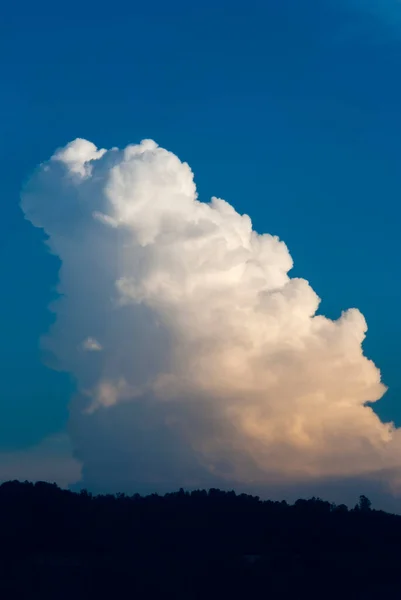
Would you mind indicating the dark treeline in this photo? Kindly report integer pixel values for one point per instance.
(59, 544)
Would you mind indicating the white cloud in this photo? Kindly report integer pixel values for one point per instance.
(91, 345)
(214, 367)
(78, 155)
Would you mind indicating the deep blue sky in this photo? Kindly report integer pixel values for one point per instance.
(289, 110)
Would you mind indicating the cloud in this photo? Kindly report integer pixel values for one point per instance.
(387, 12)
(91, 345)
(51, 460)
(372, 22)
(215, 368)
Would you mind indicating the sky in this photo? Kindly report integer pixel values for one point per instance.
(290, 112)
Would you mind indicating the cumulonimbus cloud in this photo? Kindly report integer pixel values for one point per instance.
(214, 365)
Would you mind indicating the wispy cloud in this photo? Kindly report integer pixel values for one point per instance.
(387, 11)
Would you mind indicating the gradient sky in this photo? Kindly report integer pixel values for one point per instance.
(290, 110)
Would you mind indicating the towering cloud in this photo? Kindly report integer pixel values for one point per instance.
(198, 360)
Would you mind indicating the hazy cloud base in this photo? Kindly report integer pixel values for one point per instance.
(51, 460)
(198, 360)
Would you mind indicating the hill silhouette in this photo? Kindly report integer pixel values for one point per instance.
(204, 544)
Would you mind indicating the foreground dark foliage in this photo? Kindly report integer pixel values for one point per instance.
(58, 544)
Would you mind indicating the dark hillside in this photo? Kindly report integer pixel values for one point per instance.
(57, 544)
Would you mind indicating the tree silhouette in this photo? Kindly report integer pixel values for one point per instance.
(58, 544)
(364, 504)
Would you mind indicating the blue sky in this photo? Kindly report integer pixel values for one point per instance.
(289, 110)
